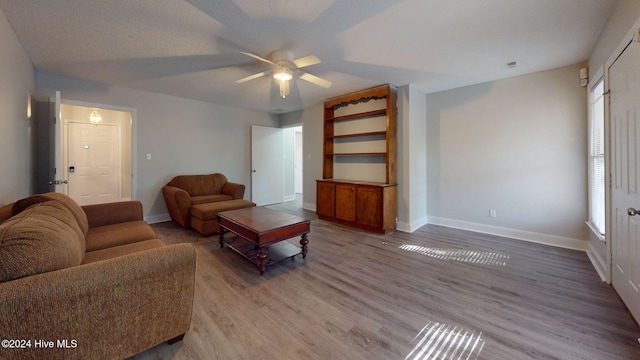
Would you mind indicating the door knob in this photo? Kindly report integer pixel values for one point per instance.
(632, 211)
(254, 170)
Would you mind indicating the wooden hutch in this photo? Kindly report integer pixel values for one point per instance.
(359, 175)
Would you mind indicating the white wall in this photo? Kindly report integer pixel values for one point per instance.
(412, 159)
(183, 136)
(17, 80)
(518, 146)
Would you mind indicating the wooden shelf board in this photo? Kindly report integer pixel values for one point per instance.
(371, 133)
(357, 154)
(358, 115)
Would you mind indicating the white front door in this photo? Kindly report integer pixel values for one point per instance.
(94, 163)
(266, 165)
(624, 80)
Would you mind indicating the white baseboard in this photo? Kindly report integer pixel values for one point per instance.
(413, 226)
(598, 263)
(289, 198)
(309, 206)
(558, 241)
(153, 219)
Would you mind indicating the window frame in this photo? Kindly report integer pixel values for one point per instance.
(597, 157)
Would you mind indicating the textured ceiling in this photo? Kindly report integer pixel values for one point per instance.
(192, 48)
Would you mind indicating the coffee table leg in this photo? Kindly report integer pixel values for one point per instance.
(262, 256)
(221, 232)
(304, 241)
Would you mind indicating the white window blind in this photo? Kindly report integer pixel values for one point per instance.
(597, 174)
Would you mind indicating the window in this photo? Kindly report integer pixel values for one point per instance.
(596, 159)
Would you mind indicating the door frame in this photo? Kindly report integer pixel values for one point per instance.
(625, 199)
(134, 137)
(626, 40)
(632, 35)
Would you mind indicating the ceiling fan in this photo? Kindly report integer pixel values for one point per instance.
(285, 68)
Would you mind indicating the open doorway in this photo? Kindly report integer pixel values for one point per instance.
(292, 165)
(96, 159)
(297, 174)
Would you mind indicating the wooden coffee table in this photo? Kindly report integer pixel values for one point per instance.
(259, 229)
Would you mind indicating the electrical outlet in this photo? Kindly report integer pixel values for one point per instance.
(492, 213)
(148, 156)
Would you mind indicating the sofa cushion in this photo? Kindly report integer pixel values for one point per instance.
(73, 206)
(102, 237)
(195, 200)
(121, 250)
(197, 185)
(210, 210)
(44, 237)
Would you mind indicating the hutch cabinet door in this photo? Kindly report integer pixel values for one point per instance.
(346, 202)
(369, 200)
(326, 199)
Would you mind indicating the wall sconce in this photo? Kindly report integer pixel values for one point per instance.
(95, 118)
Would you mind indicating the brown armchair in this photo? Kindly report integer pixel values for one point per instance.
(185, 191)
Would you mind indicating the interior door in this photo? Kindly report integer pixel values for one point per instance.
(266, 165)
(624, 80)
(48, 159)
(94, 162)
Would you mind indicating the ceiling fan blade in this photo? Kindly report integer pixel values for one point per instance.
(315, 80)
(254, 76)
(257, 57)
(306, 61)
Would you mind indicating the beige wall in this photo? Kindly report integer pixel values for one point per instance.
(517, 146)
(17, 80)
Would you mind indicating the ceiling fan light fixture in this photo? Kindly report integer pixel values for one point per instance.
(284, 88)
(283, 74)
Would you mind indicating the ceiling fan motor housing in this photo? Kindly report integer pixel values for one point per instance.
(283, 60)
(281, 57)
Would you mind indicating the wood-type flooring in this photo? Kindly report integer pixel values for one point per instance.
(437, 293)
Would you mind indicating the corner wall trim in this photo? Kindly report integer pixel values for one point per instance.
(412, 226)
(558, 241)
(309, 206)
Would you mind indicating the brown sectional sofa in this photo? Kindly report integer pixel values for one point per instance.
(94, 279)
(194, 201)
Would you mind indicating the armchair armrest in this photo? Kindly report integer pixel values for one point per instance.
(233, 189)
(178, 203)
(113, 213)
(112, 309)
